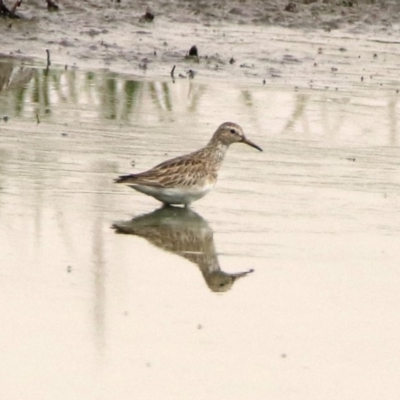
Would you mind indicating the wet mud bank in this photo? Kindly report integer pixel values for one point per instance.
(240, 39)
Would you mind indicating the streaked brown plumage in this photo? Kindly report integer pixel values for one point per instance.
(187, 178)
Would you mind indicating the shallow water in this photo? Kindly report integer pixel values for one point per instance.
(97, 305)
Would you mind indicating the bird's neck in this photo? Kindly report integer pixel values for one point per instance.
(217, 149)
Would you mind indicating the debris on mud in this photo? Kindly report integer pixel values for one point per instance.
(191, 73)
(9, 13)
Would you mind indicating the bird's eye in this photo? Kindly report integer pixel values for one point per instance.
(233, 131)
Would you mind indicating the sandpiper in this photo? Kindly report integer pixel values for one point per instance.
(185, 179)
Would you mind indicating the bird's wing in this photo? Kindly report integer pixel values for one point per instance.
(180, 171)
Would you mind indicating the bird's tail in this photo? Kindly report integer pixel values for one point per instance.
(126, 179)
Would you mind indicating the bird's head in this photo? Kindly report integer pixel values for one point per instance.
(229, 133)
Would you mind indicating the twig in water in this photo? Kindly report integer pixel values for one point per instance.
(48, 58)
(46, 71)
(172, 73)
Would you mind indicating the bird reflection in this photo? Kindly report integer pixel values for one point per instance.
(183, 232)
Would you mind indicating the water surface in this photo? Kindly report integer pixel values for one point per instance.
(104, 296)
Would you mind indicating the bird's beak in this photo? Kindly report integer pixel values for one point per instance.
(250, 143)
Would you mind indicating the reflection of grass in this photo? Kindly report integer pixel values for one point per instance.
(72, 86)
(19, 100)
(161, 98)
(5, 74)
(36, 89)
(131, 89)
(114, 97)
(247, 97)
(45, 91)
(109, 98)
(392, 107)
(298, 112)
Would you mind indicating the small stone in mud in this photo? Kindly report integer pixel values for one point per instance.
(65, 43)
(148, 16)
(193, 51)
(362, 78)
(288, 58)
(375, 55)
(274, 73)
(291, 7)
(51, 6)
(232, 60)
(334, 69)
(5, 118)
(342, 49)
(64, 134)
(263, 81)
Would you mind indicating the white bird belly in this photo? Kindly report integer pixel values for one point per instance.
(180, 195)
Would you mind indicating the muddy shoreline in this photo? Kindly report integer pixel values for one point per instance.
(230, 35)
